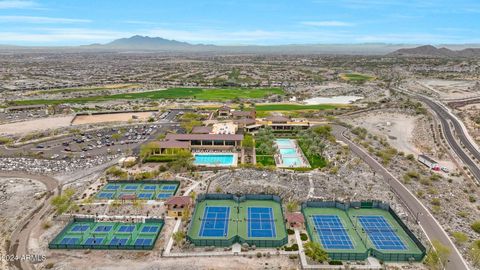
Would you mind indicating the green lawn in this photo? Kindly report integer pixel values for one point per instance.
(315, 161)
(84, 89)
(215, 94)
(266, 160)
(294, 107)
(356, 77)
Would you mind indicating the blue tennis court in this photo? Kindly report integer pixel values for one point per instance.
(119, 241)
(169, 187)
(131, 187)
(149, 229)
(111, 187)
(103, 228)
(94, 241)
(164, 195)
(145, 195)
(149, 187)
(381, 233)
(261, 222)
(331, 232)
(70, 241)
(215, 221)
(126, 228)
(105, 195)
(79, 228)
(143, 242)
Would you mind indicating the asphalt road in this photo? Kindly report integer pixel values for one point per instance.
(449, 134)
(429, 224)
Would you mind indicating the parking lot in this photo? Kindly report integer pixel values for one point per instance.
(126, 139)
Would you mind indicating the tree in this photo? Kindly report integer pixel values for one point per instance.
(148, 149)
(437, 256)
(460, 237)
(188, 125)
(475, 253)
(476, 226)
(186, 214)
(116, 136)
(248, 141)
(178, 237)
(315, 252)
(193, 195)
(292, 206)
(183, 160)
(63, 203)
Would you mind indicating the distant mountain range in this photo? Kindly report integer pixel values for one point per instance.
(429, 50)
(143, 42)
(157, 44)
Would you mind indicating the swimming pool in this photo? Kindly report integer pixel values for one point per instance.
(290, 154)
(284, 142)
(288, 151)
(207, 159)
(292, 161)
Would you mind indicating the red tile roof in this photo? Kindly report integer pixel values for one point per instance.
(179, 200)
(174, 144)
(210, 137)
(295, 218)
(201, 130)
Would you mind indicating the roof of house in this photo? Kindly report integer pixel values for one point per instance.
(189, 137)
(243, 113)
(245, 121)
(174, 144)
(295, 217)
(201, 130)
(179, 200)
(224, 108)
(278, 119)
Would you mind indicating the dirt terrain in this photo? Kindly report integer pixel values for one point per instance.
(111, 117)
(446, 89)
(404, 132)
(18, 197)
(41, 124)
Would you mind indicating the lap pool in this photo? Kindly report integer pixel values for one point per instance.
(290, 156)
(215, 159)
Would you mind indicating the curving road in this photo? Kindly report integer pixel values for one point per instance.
(21, 234)
(446, 118)
(432, 229)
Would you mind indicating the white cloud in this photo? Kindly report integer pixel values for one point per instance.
(62, 36)
(33, 19)
(328, 23)
(79, 36)
(17, 4)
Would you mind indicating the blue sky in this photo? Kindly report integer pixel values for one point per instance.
(226, 22)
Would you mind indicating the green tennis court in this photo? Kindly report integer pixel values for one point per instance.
(222, 222)
(360, 229)
(140, 190)
(88, 234)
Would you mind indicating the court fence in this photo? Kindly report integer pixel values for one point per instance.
(55, 243)
(236, 238)
(384, 256)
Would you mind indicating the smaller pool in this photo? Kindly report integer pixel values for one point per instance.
(287, 151)
(284, 142)
(292, 161)
(214, 159)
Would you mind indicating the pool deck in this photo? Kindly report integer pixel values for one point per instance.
(298, 154)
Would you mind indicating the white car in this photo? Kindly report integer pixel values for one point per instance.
(444, 169)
